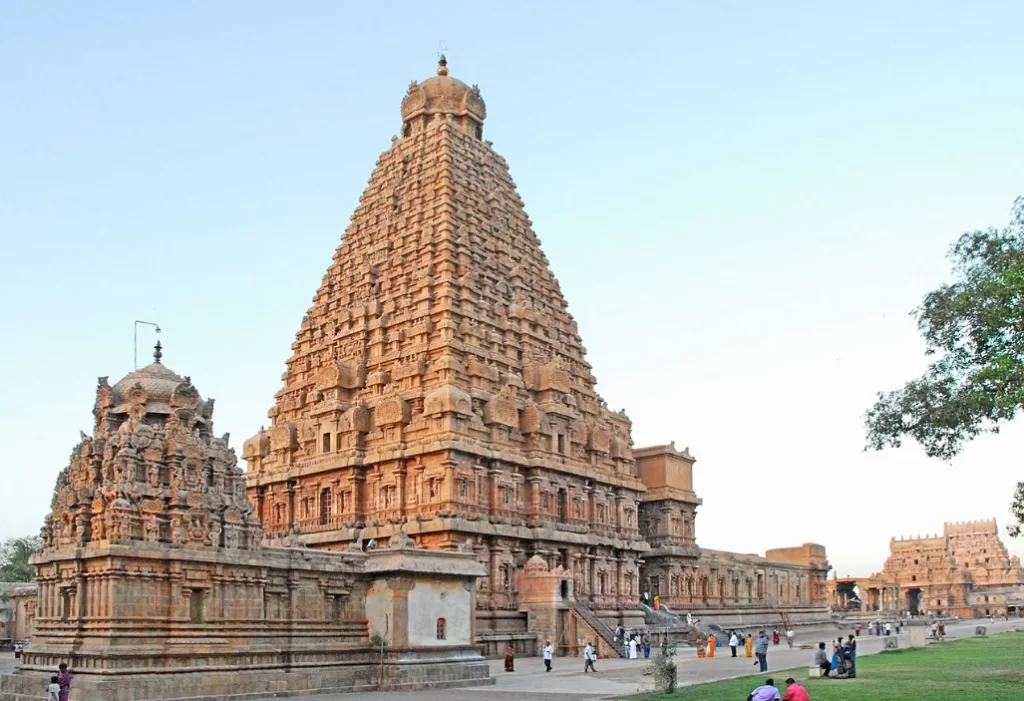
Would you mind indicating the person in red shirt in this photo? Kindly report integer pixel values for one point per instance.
(795, 692)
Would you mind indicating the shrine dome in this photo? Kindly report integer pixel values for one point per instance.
(156, 386)
(443, 95)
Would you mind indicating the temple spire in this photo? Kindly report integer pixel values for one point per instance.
(158, 352)
(442, 65)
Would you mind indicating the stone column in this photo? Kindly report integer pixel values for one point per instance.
(619, 580)
(533, 508)
(591, 507)
(358, 482)
(400, 588)
(291, 504)
(401, 473)
(496, 504)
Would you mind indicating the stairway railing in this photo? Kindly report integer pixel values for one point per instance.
(602, 629)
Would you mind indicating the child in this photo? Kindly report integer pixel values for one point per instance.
(53, 690)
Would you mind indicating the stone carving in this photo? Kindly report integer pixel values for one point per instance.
(478, 405)
(150, 453)
(890, 642)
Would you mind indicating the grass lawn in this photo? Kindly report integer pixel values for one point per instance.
(972, 669)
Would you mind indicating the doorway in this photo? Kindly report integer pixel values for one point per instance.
(914, 602)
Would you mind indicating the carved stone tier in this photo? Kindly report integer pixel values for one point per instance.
(439, 384)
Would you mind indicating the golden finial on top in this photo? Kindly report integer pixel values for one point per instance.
(442, 65)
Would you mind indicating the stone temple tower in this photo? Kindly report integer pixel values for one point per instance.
(438, 383)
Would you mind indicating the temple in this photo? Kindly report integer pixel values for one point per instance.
(153, 581)
(439, 385)
(964, 571)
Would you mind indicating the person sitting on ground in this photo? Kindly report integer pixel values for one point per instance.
(838, 664)
(822, 661)
(795, 692)
(766, 692)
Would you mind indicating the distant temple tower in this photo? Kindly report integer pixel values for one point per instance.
(439, 381)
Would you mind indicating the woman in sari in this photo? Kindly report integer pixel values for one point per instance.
(64, 680)
(510, 658)
(748, 646)
(712, 644)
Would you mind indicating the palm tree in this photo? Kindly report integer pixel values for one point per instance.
(14, 556)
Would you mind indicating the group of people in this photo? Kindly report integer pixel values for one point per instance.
(59, 688)
(843, 662)
(752, 647)
(881, 627)
(633, 642)
(548, 652)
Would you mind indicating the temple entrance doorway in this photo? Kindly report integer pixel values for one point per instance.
(914, 602)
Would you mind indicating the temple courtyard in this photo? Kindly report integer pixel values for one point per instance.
(619, 678)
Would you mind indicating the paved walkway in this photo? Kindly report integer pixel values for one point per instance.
(616, 677)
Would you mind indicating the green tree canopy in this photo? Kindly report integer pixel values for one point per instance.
(974, 330)
(14, 555)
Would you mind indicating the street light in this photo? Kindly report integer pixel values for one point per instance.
(136, 338)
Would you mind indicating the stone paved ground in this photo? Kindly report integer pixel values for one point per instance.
(615, 678)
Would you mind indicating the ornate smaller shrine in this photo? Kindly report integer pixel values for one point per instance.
(153, 581)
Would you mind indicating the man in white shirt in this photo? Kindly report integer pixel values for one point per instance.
(734, 642)
(549, 652)
(589, 657)
(789, 636)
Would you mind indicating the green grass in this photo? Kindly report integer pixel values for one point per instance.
(973, 669)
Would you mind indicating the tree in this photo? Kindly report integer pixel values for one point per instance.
(974, 329)
(14, 555)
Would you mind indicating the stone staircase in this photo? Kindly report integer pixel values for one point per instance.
(599, 627)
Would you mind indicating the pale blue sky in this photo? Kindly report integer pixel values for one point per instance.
(742, 201)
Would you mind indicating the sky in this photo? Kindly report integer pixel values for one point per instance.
(742, 202)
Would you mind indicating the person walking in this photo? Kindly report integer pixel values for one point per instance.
(734, 642)
(789, 636)
(589, 656)
(888, 628)
(647, 646)
(549, 652)
(632, 648)
(761, 650)
(775, 637)
(64, 680)
(510, 658)
(748, 646)
(53, 690)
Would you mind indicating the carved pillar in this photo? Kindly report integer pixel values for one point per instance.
(400, 588)
(591, 576)
(261, 494)
(291, 504)
(400, 474)
(358, 483)
(619, 580)
(493, 475)
(591, 507)
(495, 583)
(533, 510)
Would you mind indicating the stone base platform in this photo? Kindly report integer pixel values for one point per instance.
(399, 670)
